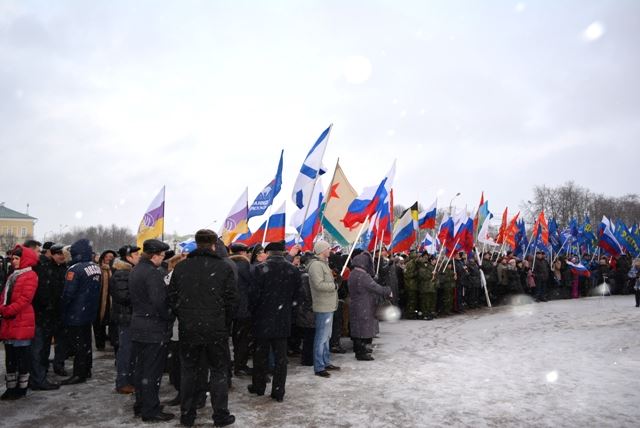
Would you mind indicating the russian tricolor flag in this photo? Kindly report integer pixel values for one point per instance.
(578, 269)
(404, 233)
(309, 227)
(271, 230)
(445, 235)
(370, 201)
(606, 238)
(427, 219)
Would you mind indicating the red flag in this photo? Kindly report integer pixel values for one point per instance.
(512, 229)
(503, 227)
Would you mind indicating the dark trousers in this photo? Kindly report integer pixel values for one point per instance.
(241, 336)
(294, 342)
(637, 298)
(61, 348)
(261, 362)
(40, 350)
(336, 327)
(99, 333)
(196, 360)
(17, 359)
(125, 364)
(150, 359)
(173, 361)
(78, 341)
(308, 336)
(541, 289)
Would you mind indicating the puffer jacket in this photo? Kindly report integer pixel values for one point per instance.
(18, 319)
(119, 291)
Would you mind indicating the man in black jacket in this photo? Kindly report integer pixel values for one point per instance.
(46, 305)
(242, 317)
(276, 281)
(541, 271)
(121, 315)
(149, 329)
(203, 296)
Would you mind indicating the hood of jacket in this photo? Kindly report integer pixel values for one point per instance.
(81, 251)
(29, 257)
(221, 250)
(119, 264)
(363, 261)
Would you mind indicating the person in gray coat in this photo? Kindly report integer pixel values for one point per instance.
(364, 293)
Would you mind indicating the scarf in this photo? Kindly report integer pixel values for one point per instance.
(8, 287)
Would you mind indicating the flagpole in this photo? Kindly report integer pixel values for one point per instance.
(557, 254)
(380, 253)
(306, 212)
(435, 268)
(451, 255)
(483, 280)
(375, 242)
(353, 246)
(266, 228)
(164, 201)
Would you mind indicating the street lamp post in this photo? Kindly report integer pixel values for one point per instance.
(451, 202)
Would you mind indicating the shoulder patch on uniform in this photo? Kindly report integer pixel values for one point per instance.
(70, 275)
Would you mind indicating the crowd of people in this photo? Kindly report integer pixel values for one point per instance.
(177, 314)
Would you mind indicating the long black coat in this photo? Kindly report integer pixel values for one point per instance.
(203, 295)
(365, 294)
(46, 302)
(276, 283)
(150, 316)
(119, 291)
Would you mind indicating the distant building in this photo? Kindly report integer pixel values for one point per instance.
(15, 227)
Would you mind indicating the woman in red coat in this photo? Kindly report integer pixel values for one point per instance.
(17, 321)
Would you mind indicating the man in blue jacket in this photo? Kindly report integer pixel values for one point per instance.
(79, 306)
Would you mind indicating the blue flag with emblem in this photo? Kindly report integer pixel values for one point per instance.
(265, 198)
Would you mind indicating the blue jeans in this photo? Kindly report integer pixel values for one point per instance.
(321, 352)
(124, 362)
(40, 350)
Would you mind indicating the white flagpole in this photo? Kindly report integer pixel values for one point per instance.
(266, 228)
(380, 253)
(353, 246)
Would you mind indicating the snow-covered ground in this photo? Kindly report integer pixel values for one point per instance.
(573, 363)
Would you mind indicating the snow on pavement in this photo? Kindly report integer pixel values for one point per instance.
(564, 363)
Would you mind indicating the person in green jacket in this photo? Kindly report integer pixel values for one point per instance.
(447, 281)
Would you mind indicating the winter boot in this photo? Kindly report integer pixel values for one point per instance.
(23, 384)
(12, 384)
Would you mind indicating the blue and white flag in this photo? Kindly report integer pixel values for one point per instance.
(188, 246)
(311, 168)
(265, 198)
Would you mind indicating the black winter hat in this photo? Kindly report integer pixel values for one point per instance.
(56, 249)
(154, 246)
(127, 250)
(275, 246)
(238, 247)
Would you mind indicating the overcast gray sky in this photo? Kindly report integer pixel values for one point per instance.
(103, 103)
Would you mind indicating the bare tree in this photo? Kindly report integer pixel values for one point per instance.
(101, 237)
(572, 201)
